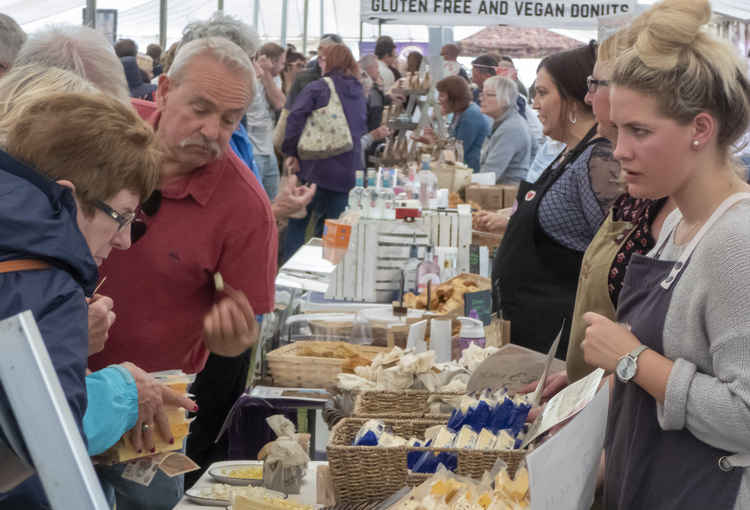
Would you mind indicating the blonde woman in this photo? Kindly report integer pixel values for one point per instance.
(680, 407)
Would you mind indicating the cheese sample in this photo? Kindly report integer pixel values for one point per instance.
(124, 451)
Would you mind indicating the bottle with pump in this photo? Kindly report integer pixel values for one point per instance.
(386, 196)
(410, 270)
(371, 196)
(428, 271)
(356, 194)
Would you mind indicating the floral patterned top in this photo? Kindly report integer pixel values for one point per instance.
(640, 212)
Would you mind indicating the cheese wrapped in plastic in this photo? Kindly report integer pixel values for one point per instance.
(466, 438)
(388, 440)
(369, 434)
(467, 403)
(505, 441)
(486, 440)
(395, 379)
(444, 438)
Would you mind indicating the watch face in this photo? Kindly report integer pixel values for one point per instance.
(625, 369)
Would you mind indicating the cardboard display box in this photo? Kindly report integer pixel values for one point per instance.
(492, 198)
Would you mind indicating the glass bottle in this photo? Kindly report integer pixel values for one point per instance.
(356, 194)
(386, 196)
(371, 196)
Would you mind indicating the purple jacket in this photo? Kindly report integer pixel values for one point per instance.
(336, 173)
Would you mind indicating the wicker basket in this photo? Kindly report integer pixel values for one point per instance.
(369, 473)
(291, 370)
(397, 404)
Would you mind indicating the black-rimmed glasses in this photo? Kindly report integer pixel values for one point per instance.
(122, 219)
(149, 208)
(592, 83)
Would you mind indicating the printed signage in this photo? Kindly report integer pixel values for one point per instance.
(573, 14)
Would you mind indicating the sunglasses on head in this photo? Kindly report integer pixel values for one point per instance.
(149, 208)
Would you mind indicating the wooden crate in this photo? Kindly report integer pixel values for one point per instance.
(289, 369)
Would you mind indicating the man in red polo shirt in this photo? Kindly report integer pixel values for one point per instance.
(210, 216)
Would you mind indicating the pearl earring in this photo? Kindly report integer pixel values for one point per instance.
(695, 144)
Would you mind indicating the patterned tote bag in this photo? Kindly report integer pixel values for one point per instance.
(326, 133)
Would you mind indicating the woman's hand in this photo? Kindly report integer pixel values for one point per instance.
(101, 318)
(428, 136)
(489, 221)
(606, 341)
(292, 164)
(152, 399)
(554, 384)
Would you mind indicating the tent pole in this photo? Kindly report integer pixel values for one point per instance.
(163, 24)
(322, 24)
(256, 14)
(304, 30)
(380, 27)
(284, 5)
(90, 20)
(220, 6)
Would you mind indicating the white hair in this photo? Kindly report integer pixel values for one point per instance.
(222, 50)
(80, 49)
(506, 89)
(228, 27)
(12, 38)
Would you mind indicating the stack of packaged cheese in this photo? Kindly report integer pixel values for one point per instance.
(446, 491)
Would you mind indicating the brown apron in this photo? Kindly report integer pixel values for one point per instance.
(593, 292)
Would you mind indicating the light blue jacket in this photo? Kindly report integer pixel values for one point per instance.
(507, 151)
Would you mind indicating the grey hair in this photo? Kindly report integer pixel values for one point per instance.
(24, 84)
(222, 50)
(12, 38)
(367, 60)
(228, 27)
(81, 50)
(505, 88)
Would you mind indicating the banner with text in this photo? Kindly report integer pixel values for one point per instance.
(574, 14)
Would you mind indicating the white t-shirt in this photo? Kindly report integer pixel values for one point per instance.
(260, 119)
(386, 74)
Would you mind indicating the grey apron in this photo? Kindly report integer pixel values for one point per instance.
(647, 467)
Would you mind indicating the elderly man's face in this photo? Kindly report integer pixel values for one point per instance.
(200, 113)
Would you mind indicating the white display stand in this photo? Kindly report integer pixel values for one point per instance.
(378, 250)
(44, 420)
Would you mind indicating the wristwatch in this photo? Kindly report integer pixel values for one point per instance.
(627, 366)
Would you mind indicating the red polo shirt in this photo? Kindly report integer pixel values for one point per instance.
(218, 218)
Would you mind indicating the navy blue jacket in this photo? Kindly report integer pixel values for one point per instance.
(336, 173)
(139, 89)
(38, 221)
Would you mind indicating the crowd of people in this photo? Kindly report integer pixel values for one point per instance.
(156, 171)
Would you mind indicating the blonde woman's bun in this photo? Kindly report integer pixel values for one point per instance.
(669, 29)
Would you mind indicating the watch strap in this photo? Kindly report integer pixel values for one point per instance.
(637, 352)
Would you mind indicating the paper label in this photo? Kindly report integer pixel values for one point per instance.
(141, 471)
(565, 404)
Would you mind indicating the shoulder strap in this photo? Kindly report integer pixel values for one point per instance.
(681, 262)
(9, 266)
